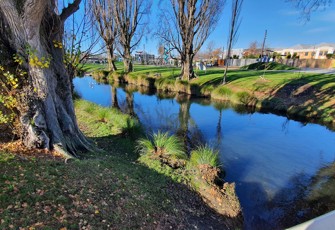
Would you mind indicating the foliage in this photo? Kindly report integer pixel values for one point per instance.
(9, 85)
(330, 56)
(204, 155)
(35, 61)
(162, 144)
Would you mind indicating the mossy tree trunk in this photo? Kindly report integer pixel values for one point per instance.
(47, 112)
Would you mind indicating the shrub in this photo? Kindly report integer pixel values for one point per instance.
(204, 155)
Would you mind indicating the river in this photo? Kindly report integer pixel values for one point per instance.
(270, 157)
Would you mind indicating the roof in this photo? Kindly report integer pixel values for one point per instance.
(304, 46)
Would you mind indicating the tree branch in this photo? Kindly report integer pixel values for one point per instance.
(70, 9)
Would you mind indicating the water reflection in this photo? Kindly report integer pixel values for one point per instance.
(115, 102)
(272, 159)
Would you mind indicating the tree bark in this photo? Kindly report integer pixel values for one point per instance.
(111, 58)
(47, 112)
(127, 61)
(187, 68)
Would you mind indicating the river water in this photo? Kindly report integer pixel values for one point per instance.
(269, 157)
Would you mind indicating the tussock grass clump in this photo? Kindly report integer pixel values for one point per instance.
(204, 155)
(245, 98)
(103, 115)
(222, 93)
(165, 84)
(165, 154)
(162, 144)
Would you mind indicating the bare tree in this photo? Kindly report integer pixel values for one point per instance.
(105, 20)
(253, 50)
(307, 7)
(234, 26)
(129, 18)
(210, 49)
(80, 40)
(185, 26)
(46, 113)
(217, 53)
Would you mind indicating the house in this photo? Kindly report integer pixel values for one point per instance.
(319, 51)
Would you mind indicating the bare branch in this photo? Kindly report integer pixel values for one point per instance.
(69, 10)
(185, 25)
(307, 7)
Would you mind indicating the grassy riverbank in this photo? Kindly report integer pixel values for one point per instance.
(103, 190)
(301, 95)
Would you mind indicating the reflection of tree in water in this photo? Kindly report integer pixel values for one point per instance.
(115, 103)
(305, 198)
(187, 128)
(130, 104)
(220, 106)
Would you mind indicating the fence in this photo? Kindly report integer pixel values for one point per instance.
(310, 63)
(300, 63)
(239, 62)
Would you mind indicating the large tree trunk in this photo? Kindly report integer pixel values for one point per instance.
(111, 58)
(47, 119)
(187, 71)
(187, 68)
(127, 62)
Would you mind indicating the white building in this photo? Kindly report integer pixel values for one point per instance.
(319, 51)
(236, 52)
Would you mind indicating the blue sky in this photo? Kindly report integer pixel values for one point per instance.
(281, 19)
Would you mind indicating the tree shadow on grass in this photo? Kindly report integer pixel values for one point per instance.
(206, 79)
(310, 96)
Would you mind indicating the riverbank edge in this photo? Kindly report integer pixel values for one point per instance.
(221, 198)
(109, 126)
(284, 104)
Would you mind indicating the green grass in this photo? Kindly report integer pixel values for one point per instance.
(204, 155)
